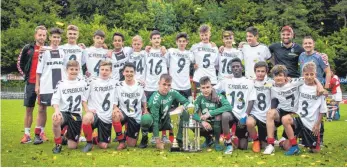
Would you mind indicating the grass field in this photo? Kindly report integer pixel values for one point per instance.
(15, 154)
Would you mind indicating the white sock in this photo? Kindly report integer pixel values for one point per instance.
(27, 131)
(42, 130)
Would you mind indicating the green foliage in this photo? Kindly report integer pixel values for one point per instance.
(324, 20)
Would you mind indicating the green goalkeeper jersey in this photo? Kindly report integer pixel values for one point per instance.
(204, 106)
(159, 106)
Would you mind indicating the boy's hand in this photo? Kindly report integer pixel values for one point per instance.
(148, 48)
(196, 66)
(82, 45)
(205, 116)
(316, 129)
(242, 43)
(163, 50)
(221, 49)
(56, 115)
(37, 90)
(109, 54)
(206, 126)
(88, 74)
(159, 145)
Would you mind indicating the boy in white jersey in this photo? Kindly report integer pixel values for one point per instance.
(228, 53)
(119, 56)
(311, 110)
(50, 70)
(179, 65)
(205, 56)
(253, 51)
(138, 57)
(100, 108)
(261, 106)
(284, 101)
(95, 54)
(71, 49)
(240, 93)
(156, 64)
(131, 104)
(66, 101)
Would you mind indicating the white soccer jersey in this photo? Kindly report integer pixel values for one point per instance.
(156, 66)
(262, 103)
(287, 95)
(52, 70)
(118, 60)
(224, 62)
(252, 55)
(93, 57)
(238, 92)
(68, 95)
(206, 57)
(129, 99)
(74, 52)
(101, 97)
(179, 66)
(139, 60)
(310, 105)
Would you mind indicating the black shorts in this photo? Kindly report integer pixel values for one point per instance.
(133, 128)
(262, 132)
(104, 129)
(45, 99)
(241, 132)
(281, 113)
(29, 95)
(308, 139)
(186, 93)
(148, 94)
(74, 122)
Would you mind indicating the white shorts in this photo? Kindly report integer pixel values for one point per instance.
(337, 96)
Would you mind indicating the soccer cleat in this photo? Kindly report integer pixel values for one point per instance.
(64, 140)
(269, 150)
(152, 141)
(57, 149)
(293, 150)
(228, 150)
(256, 146)
(218, 147)
(208, 142)
(121, 146)
(43, 136)
(279, 142)
(26, 139)
(87, 148)
(144, 142)
(37, 140)
(165, 140)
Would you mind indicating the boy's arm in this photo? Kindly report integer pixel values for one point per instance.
(144, 104)
(225, 107)
(316, 127)
(181, 99)
(249, 107)
(327, 77)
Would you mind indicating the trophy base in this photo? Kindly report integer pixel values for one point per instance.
(192, 150)
(175, 149)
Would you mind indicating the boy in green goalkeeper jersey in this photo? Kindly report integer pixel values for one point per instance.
(211, 106)
(159, 118)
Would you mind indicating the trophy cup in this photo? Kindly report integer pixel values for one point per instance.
(191, 145)
(175, 147)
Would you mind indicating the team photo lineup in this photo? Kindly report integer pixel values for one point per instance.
(240, 93)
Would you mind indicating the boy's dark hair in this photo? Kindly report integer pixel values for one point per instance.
(204, 28)
(236, 60)
(278, 69)
(166, 78)
(56, 31)
(308, 37)
(118, 34)
(154, 32)
(182, 35)
(99, 33)
(204, 80)
(261, 64)
(252, 30)
(129, 64)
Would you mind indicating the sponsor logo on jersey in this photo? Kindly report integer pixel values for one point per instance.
(211, 50)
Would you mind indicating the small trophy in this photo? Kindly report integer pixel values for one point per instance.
(191, 145)
(175, 147)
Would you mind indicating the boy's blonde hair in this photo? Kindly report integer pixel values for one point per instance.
(72, 63)
(309, 65)
(278, 69)
(41, 27)
(137, 38)
(106, 63)
(204, 28)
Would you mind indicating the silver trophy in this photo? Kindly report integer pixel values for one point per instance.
(191, 144)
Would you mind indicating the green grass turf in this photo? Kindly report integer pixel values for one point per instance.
(15, 154)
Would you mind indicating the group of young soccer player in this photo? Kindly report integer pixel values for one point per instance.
(136, 88)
